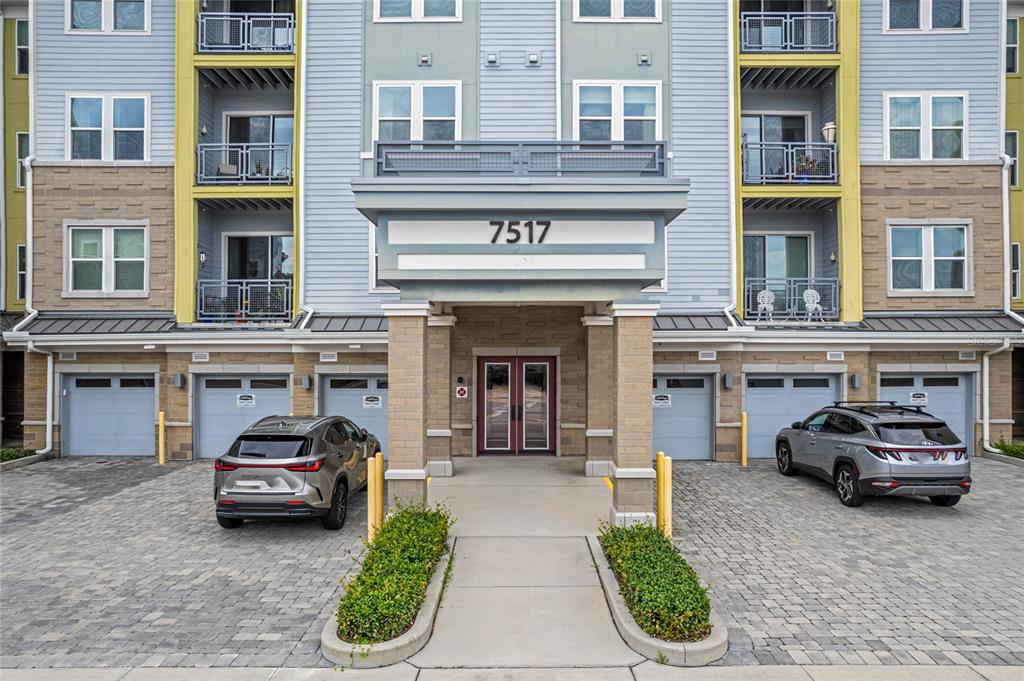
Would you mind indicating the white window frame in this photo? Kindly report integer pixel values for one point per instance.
(1015, 166)
(21, 271)
(926, 124)
(617, 14)
(107, 21)
(617, 116)
(924, 20)
(416, 105)
(371, 240)
(19, 168)
(107, 127)
(417, 14)
(1015, 47)
(19, 48)
(927, 257)
(1015, 271)
(108, 228)
(264, 233)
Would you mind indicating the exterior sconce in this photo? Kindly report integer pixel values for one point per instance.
(179, 380)
(727, 381)
(202, 130)
(307, 382)
(855, 381)
(202, 257)
(828, 132)
(832, 256)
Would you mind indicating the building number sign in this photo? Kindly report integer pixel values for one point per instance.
(515, 231)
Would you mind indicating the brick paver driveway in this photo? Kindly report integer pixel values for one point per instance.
(801, 578)
(119, 562)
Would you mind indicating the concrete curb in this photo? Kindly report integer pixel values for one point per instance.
(1003, 458)
(690, 654)
(26, 461)
(369, 656)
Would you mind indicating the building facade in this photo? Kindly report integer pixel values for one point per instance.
(594, 228)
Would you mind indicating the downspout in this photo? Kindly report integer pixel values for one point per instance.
(558, 70)
(3, 175)
(985, 397)
(730, 86)
(49, 396)
(302, 159)
(29, 244)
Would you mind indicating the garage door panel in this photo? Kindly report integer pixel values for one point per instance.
(949, 397)
(683, 416)
(227, 405)
(109, 416)
(773, 402)
(361, 399)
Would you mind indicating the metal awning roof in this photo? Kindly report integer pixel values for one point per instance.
(941, 322)
(64, 323)
(691, 322)
(347, 324)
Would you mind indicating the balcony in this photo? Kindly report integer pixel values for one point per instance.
(233, 32)
(221, 164)
(244, 300)
(782, 32)
(530, 159)
(791, 299)
(790, 163)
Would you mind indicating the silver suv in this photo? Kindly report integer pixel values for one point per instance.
(877, 449)
(288, 467)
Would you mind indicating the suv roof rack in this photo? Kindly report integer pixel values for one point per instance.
(865, 406)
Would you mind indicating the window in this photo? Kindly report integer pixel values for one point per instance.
(1011, 147)
(22, 272)
(268, 384)
(928, 258)
(897, 381)
(106, 16)
(349, 384)
(423, 110)
(616, 10)
(22, 141)
(816, 423)
(684, 383)
(925, 126)
(417, 10)
(224, 383)
(822, 382)
(106, 260)
(925, 15)
(137, 382)
(627, 111)
(92, 382)
(940, 382)
(108, 127)
(21, 55)
(1015, 270)
(1012, 45)
(755, 382)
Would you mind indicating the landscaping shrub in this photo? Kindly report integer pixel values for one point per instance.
(382, 601)
(660, 588)
(1014, 449)
(10, 454)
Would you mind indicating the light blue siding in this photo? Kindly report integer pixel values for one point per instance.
(213, 104)
(932, 61)
(820, 104)
(213, 225)
(107, 63)
(821, 225)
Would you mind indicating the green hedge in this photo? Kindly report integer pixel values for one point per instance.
(382, 601)
(1014, 449)
(9, 454)
(660, 588)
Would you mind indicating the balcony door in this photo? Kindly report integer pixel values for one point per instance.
(761, 129)
(264, 257)
(516, 405)
(770, 261)
(271, 136)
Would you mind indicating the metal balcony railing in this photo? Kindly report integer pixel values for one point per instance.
(790, 163)
(244, 164)
(788, 32)
(224, 300)
(807, 299)
(236, 32)
(622, 159)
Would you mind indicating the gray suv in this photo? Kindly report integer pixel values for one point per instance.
(877, 449)
(288, 467)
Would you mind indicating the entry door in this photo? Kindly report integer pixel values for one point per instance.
(516, 405)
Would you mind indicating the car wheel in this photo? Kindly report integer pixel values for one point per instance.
(945, 500)
(846, 487)
(335, 518)
(784, 458)
(229, 523)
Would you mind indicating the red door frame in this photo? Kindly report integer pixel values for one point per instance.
(516, 425)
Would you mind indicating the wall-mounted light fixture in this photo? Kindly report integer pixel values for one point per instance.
(643, 59)
(828, 132)
(179, 380)
(202, 130)
(425, 59)
(307, 382)
(202, 257)
(832, 256)
(855, 381)
(727, 381)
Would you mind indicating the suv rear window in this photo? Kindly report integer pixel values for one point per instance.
(916, 434)
(269, 447)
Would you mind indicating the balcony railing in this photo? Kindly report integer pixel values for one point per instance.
(622, 159)
(234, 32)
(790, 163)
(239, 300)
(791, 300)
(244, 164)
(788, 32)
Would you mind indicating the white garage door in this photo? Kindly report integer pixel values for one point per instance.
(947, 396)
(683, 416)
(363, 400)
(109, 415)
(774, 402)
(227, 405)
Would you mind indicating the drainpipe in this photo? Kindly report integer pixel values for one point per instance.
(307, 316)
(731, 87)
(986, 397)
(49, 396)
(29, 245)
(302, 155)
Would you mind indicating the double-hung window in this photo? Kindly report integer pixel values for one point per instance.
(106, 259)
(107, 16)
(1012, 45)
(617, 10)
(925, 15)
(108, 127)
(628, 111)
(1011, 147)
(22, 140)
(923, 126)
(417, 111)
(928, 258)
(417, 10)
(21, 55)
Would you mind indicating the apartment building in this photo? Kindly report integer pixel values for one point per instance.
(594, 228)
(1014, 116)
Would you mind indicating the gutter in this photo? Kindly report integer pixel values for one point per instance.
(49, 396)
(986, 397)
(731, 95)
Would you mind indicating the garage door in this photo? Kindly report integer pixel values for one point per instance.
(683, 416)
(362, 400)
(774, 402)
(947, 396)
(227, 405)
(109, 415)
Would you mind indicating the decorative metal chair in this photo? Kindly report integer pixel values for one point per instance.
(765, 304)
(812, 305)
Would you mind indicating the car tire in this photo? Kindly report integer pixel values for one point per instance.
(335, 518)
(846, 484)
(945, 500)
(229, 523)
(784, 458)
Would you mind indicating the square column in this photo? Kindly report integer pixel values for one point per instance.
(439, 395)
(600, 401)
(632, 455)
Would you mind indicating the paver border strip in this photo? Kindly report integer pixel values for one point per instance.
(385, 653)
(29, 460)
(1002, 457)
(681, 654)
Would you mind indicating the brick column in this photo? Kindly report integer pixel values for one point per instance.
(406, 473)
(600, 406)
(633, 356)
(439, 395)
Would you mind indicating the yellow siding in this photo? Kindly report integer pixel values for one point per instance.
(15, 121)
(1015, 121)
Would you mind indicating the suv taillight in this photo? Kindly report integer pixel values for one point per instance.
(885, 453)
(295, 467)
(305, 467)
(219, 465)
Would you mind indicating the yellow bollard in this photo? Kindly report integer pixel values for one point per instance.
(381, 489)
(666, 526)
(371, 498)
(161, 437)
(743, 439)
(659, 490)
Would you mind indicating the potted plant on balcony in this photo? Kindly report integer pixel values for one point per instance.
(804, 168)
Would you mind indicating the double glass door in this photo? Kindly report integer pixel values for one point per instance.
(267, 256)
(516, 405)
